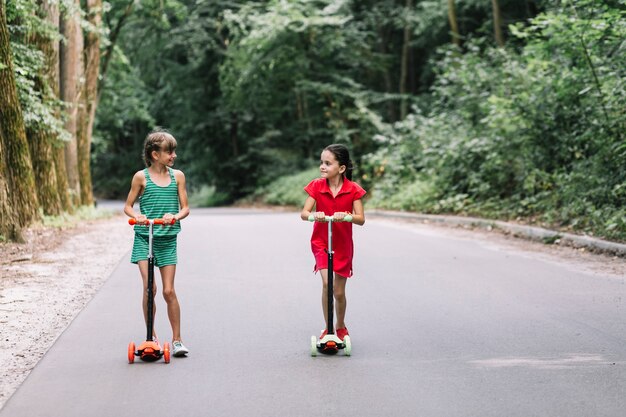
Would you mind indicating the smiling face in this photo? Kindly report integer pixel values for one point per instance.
(159, 147)
(329, 166)
(165, 157)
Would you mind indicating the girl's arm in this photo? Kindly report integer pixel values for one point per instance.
(307, 210)
(136, 188)
(309, 203)
(182, 197)
(358, 213)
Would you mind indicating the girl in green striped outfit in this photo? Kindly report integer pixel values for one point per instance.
(162, 194)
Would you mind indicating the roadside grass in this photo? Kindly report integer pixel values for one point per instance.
(288, 190)
(421, 197)
(82, 214)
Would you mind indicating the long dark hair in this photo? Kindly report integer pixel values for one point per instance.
(343, 157)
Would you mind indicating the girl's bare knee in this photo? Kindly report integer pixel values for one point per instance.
(339, 291)
(169, 294)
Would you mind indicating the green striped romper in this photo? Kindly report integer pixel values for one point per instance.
(154, 203)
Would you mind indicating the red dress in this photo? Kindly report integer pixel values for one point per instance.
(343, 247)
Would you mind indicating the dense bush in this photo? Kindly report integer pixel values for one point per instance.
(535, 134)
(288, 190)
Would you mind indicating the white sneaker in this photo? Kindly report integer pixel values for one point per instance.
(179, 348)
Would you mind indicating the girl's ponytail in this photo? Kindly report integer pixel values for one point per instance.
(349, 168)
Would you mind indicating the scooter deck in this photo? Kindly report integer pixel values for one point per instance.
(149, 351)
(330, 345)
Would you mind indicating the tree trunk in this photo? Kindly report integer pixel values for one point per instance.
(8, 227)
(382, 47)
(404, 67)
(71, 68)
(54, 82)
(234, 133)
(41, 151)
(497, 23)
(63, 185)
(39, 138)
(9, 230)
(17, 169)
(114, 34)
(454, 26)
(87, 112)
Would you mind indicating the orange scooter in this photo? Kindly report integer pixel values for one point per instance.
(150, 350)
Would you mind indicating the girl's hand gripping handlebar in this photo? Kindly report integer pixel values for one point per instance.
(347, 218)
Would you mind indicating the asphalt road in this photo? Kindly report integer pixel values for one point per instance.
(441, 326)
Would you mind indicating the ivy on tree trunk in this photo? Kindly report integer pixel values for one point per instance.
(16, 163)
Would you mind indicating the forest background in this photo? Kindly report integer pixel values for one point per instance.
(508, 109)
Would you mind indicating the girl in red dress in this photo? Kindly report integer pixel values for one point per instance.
(334, 194)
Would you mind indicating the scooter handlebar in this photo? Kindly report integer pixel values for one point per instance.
(133, 222)
(348, 218)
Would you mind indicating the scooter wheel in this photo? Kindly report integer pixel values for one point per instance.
(131, 352)
(347, 349)
(166, 352)
(313, 346)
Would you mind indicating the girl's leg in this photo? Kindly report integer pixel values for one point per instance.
(143, 270)
(324, 274)
(339, 290)
(168, 273)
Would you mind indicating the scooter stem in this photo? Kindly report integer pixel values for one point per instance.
(150, 309)
(330, 329)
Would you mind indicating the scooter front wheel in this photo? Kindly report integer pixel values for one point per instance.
(131, 352)
(347, 349)
(313, 346)
(166, 352)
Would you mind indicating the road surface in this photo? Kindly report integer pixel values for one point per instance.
(441, 326)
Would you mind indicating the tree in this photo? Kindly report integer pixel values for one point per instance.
(87, 110)
(404, 66)
(497, 23)
(71, 74)
(454, 26)
(54, 84)
(113, 37)
(286, 51)
(8, 227)
(41, 138)
(534, 131)
(17, 164)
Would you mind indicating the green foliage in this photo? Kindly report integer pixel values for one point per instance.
(207, 197)
(40, 109)
(123, 120)
(290, 67)
(253, 90)
(288, 190)
(534, 134)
